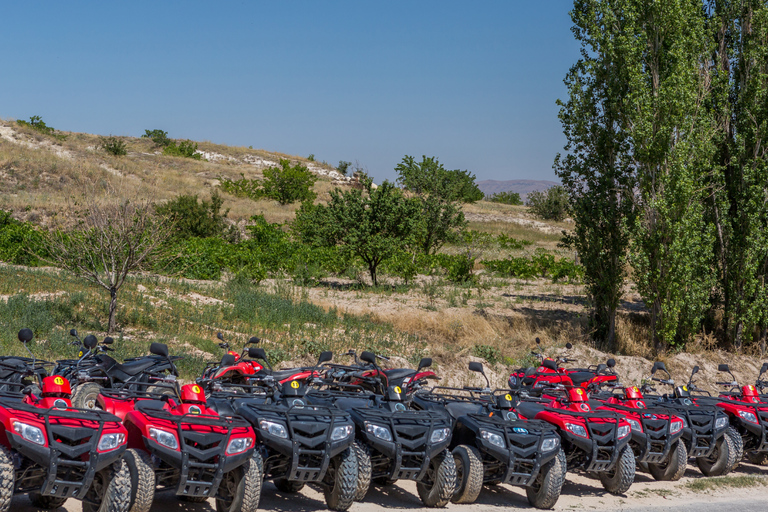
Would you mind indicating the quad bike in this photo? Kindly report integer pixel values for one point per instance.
(53, 451)
(298, 442)
(177, 443)
(657, 433)
(492, 445)
(706, 432)
(392, 440)
(594, 441)
(548, 375)
(95, 370)
(406, 378)
(233, 367)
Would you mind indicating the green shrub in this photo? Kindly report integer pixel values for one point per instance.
(196, 258)
(512, 198)
(288, 184)
(311, 157)
(551, 204)
(20, 242)
(508, 242)
(159, 137)
(37, 124)
(242, 187)
(541, 264)
(487, 352)
(113, 145)
(185, 148)
(198, 219)
(343, 167)
(460, 269)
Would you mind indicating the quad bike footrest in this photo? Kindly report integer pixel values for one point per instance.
(305, 473)
(192, 487)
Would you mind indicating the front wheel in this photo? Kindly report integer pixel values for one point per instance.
(86, 396)
(340, 481)
(240, 489)
(545, 490)
(673, 468)
(439, 484)
(363, 454)
(7, 479)
(719, 461)
(738, 448)
(469, 474)
(110, 490)
(619, 479)
(142, 477)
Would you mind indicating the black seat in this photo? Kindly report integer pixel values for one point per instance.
(457, 409)
(579, 378)
(11, 367)
(530, 409)
(284, 374)
(397, 375)
(135, 367)
(150, 405)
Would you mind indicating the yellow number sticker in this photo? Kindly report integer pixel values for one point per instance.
(636, 390)
(685, 388)
(196, 389)
(508, 397)
(295, 384)
(80, 354)
(580, 391)
(58, 381)
(398, 390)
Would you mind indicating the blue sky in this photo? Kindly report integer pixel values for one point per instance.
(473, 83)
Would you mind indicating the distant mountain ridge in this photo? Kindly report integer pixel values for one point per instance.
(522, 187)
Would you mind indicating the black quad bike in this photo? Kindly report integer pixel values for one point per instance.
(492, 445)
(53, 451)
(298, 442)
(94, 370)
(706, 431)
(392, 440)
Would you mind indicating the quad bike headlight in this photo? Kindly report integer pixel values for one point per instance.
(439, 435)
(341, 432)
(30, 433)
(636, 426)
(721, 422)
(575, 428)
(624, 431)
(164, 438)
(274, 429)
(109, 442)
(748, 416)
(494, 439)
(239, 445)
(550, 443)
(382, 433)
(685, 422)
(676, 427)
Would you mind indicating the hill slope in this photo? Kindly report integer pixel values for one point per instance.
(522, 187)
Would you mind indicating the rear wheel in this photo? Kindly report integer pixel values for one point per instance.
(46, 502)
(142, 477)
(340, 481)
(759, 458)
(110, 490)
(289, 486)
(86, 396)
(673, 468)
(545, 490)
(469, 474)
(240, 489)
(619, 479)
(438, 485)
(717, 464)
(363, 454)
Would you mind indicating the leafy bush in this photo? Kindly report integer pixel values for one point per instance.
(198, 219)
(541, 264)
(242, 187)
(431, 178)
(20, 242)
(460, 269)
(311, 157)
(113, 145)
(185, 148)
(512, 198)
(487, 352)
(159, 137)
(508, 242)
(37, 124)
(288, 184)
(343, 167)
(551, 204)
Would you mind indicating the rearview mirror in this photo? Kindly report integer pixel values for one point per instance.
(257, 353)
(220, 336)
(90, 341)
(658, 365)
(368, 357)
(108, 341)
(611, 363)
(326, 356)
(73, 332)
(538, 341)
(254, 340)
(763, 368)
(723, 368)
(26, 335)
(474, 366)
(694, 371)
(425, 362)
(569, 346)
(159, 349)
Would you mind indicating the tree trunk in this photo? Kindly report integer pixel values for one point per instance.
(112, 310)
(372, 270)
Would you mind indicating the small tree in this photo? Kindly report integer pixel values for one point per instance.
(197, 219)
(288, 184)
(159, 137)
(113, 145)
(512, 198)
(373, 225)
(551, 204)
(343, 167)
(109, 242)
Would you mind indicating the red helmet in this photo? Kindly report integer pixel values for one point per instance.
(192, 394)
(56, 386)
(633, 393)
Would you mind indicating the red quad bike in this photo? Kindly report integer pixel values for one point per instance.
(175, 442)
(547, 376)
(54, 451)
(594, 441)
(371, 377)
(656, 433)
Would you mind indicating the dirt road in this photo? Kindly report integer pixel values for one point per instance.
(747, 491)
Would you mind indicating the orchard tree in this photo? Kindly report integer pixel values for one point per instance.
(288, 183)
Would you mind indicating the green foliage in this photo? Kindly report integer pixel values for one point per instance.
(540, 264)
(311, 157)
(202, 219)
(488, 352)
(20, 242)
(289, 183)
(113, 145)
(242, 187)
(460, 269)
(343, 167)
(37, 124)
(185, 148)
(508, 242)
(551, 204)
(429, 177)
(373, 226)
(159, 137)
(512, 198)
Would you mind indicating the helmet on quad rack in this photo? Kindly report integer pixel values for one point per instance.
(192, 394)
(56, 387)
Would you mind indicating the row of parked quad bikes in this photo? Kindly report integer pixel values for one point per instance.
(113, 434)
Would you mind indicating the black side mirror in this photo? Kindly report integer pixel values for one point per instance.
(257, 353)
(73, 332)
(254, 340)
(159, 349)
(220, 336)
(474, 366)
(425, 362)
(326, 356)
(658, 365)
(108, 341)
(538, 341)
(26, 335)
(763, 368)
(548, 363)
(611, 363)
(90, 342)
(723, 368)
(694, 371)
(368, 357)
(569, 346)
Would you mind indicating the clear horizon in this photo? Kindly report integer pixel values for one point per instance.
(472, 84)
